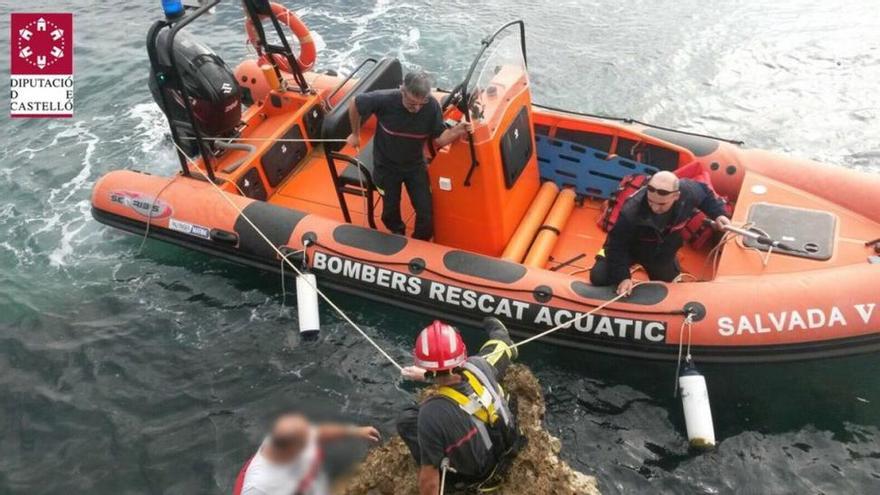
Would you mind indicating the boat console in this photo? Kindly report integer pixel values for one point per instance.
(482, 186)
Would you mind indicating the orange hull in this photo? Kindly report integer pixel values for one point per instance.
(751, 308)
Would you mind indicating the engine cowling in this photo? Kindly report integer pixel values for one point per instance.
(215, 95)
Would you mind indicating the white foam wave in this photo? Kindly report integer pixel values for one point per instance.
(151, 127)
(380, 9)
(69, 231)
(84, 136)
(344, 59)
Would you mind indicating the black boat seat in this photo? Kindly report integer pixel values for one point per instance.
(350, 176)
(386, 74)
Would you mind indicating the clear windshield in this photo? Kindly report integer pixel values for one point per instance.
(503, 56)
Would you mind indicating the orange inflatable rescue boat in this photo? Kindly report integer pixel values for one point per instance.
(518, 206)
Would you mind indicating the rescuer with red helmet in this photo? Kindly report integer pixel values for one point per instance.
(467, 430)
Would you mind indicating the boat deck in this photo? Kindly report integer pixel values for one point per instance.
(310, 188)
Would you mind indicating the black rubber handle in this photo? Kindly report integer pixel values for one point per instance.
(224, 237)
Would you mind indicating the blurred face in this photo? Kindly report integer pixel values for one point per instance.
(411, 102)
(289, 437)
(662, 192)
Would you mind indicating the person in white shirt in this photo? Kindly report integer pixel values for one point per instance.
(289, 461)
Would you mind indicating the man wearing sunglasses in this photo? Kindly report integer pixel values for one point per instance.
(648, 230)
(407, 118)
(290, 459)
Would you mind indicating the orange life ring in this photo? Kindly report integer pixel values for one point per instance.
(308, 52)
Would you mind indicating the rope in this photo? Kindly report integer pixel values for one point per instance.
(765, 259)
(295, 269)
(578, 272)
(150, 214)
(715, 253)
(681, 276)
(307, 140)
(364, 192)
(283, 284)
(565, 324)
(686, 323)
(156, 198)
(444, 467)
(628, 120)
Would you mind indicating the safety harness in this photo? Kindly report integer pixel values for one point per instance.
(484, 406)
(491, 415)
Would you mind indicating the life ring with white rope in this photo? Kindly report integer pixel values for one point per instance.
(307, 49)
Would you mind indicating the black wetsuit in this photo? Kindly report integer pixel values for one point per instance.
(651, 240)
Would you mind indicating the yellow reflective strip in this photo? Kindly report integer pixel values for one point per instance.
(486, 414)
(601, 253)
(481, 415)
(462, 400)
(475, 384)
(496, 355)
(453, 394)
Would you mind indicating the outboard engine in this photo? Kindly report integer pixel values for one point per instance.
(214, 93)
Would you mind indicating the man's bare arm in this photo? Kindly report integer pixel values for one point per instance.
(450, 135)
(429, 480)
(354, 117)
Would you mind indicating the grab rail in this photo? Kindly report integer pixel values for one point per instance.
(348, 78)
(368, 187)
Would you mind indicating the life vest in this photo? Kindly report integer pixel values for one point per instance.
(694, 230)
(629, 185)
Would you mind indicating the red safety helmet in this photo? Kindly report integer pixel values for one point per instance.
(439, 347)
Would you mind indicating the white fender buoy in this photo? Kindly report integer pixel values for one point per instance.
(697, 411)
(307, 305)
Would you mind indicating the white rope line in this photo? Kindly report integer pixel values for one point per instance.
(295, 269)
(309, 140)
(287, 13)
(567, 323)
(150, 213)
(156, 198)
(364, 191)
(283, 284)
(715, 253)
(444, 467)
(765, 259)
(689, 320)
(686, 323)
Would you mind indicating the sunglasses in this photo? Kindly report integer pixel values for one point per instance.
(661, 192)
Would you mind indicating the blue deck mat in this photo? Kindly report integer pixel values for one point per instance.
(588, 170)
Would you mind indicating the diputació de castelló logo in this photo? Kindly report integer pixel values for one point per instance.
(41, 64)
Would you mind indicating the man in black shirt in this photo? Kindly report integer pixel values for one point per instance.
(468, 427)
(648, 230)
(407, 118)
